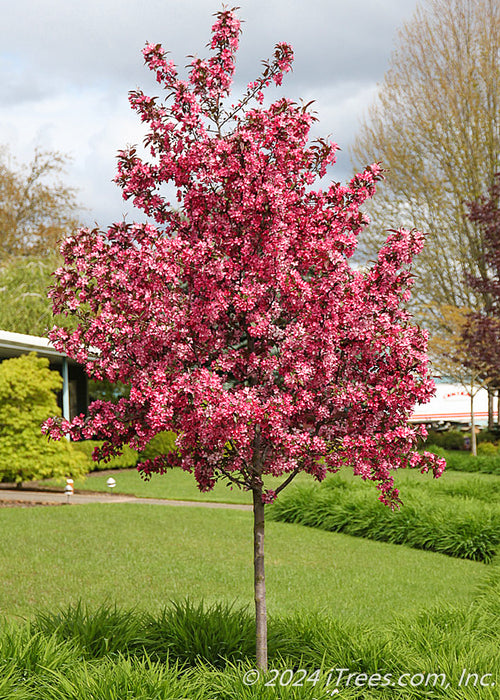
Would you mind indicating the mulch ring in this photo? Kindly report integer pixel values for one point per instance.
(26, 504)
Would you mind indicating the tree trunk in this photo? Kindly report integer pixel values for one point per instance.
(491, 396)
(473, 446)
(259, 579)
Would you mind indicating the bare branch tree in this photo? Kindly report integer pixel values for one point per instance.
(435, 126)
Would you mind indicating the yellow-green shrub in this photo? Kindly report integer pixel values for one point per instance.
(27, 398)
(487, 448)
(161, 444)
(127, 459)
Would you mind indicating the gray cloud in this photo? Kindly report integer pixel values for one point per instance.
(100, 40)
(66, 68)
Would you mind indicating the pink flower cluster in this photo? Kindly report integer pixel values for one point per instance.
(237, 319)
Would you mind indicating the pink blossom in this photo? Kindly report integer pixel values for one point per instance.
(236, 317)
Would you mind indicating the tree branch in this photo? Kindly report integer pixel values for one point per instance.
(287, 481)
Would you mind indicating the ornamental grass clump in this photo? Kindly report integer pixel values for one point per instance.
(197, 633)
(461, 527)
(465, 462)
(439, 643)
(96, 632)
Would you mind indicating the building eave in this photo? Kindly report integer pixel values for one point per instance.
(12, 344)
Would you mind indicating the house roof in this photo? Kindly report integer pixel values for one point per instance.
(15, 344)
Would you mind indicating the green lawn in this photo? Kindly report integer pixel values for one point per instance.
(146, 555)
(178, 484)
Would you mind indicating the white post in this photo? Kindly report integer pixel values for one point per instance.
(69, 490)
(473, 444)
(65, 390)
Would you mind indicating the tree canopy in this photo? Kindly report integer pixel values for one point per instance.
(236, 318)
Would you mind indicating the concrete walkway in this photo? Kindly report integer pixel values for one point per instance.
(24, 497)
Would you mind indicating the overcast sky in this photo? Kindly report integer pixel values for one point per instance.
(66, 67)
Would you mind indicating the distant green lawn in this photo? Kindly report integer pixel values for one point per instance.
(175, 484)
(181, 485)
(145, 555)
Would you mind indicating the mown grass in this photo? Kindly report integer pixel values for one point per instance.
(145, 556)
(175, 485)
(189, 651)
(181, 485)
(457, 515)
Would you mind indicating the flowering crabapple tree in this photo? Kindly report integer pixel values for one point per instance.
(235, 317)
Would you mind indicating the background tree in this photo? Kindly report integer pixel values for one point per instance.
(27, 398)
(237, 319)
(481, 334)
(451, 357)
(24, 303)
(36, 209)
(435, 126)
